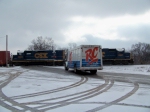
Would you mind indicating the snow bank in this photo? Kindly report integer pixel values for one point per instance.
(132, 69)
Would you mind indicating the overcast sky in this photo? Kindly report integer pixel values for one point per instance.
(110, 23)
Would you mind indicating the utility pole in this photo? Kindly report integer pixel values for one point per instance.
(6, 49)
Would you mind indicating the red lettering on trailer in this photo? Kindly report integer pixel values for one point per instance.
(70, 57)
(92, 55)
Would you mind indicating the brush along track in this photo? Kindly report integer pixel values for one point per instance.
(82, 81)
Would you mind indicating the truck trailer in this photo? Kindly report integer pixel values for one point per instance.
(84, 58)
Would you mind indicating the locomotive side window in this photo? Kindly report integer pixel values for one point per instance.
(120, 54)
(112, 50)
(28, 53)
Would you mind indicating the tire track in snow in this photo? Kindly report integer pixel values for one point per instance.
(82, 81)
(136, 87)
(100, 89)
(75, 94)
(9, 103)
(122, 104)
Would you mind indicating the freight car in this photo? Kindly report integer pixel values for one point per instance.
(43, 57)
(3, 55)
(116, 56)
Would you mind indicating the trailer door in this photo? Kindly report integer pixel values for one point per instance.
(91, 56)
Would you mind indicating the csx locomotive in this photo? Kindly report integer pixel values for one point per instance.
(116, 56)
(57, 57)
(45, 57)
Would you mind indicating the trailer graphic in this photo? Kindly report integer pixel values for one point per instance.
(84, 57)
(90, 54)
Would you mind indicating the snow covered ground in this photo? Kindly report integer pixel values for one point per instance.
(38, 89)
(131, 69)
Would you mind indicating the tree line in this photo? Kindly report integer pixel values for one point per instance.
(139, 51)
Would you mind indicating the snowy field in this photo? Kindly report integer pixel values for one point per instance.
(130, 69)
(46, 90)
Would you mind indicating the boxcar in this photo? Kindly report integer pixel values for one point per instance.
(3, 57)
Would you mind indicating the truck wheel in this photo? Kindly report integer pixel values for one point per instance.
(93, 71)
(114, 63)
(126, 63)
(66, 68)
(76, 71)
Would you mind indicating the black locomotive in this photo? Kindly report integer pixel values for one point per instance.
(49, 57)
(43, 57)
(116, 56)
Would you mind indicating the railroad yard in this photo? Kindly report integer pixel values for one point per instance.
(52, 89)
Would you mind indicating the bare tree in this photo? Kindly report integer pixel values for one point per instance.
(62, 48)
(69, 47)
(72, 45)
(141, 53)
(41, 43)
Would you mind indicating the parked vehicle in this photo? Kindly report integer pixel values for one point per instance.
(116, 56)
(84, 57)
(3, 57)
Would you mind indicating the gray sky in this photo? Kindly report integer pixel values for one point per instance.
(110, 23)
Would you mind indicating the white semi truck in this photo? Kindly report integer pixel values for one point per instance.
(84, 58)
